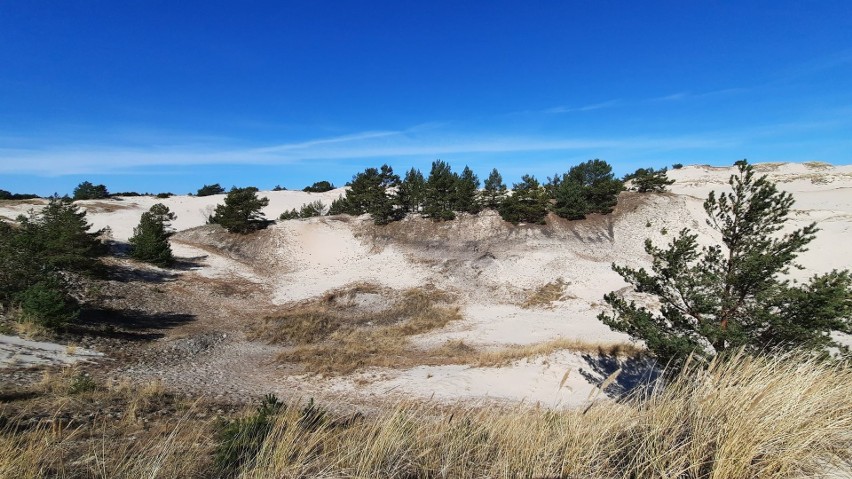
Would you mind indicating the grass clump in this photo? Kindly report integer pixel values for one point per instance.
(336, 334)
(546, 295)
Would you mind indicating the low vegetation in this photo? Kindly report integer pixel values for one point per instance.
(334, 335)
(8, 195)
(209, 190)
(545, 295)
(319, 187)
(736, 417)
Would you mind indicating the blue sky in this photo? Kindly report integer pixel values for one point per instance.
(166, 96)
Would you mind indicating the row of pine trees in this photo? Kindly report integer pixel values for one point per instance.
(590, 187)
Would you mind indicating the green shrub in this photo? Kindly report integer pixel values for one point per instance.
(81, 383)
(289, 215)
(589, 187)
(319, 187)
(88, 191)
(645, 180)
(312, 209)
(208, 190)
(47, 304)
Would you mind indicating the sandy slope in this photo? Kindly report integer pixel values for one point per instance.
(492, 266)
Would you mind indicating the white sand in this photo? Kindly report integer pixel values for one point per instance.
(15, 351)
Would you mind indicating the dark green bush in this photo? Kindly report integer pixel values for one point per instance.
(88, 191)
(312, 209)
(47, 304)
(6, 195)
(319, 187)
(289, 215)
(82, 383)
(208, 190)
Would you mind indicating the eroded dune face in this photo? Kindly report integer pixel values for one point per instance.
(515, 285)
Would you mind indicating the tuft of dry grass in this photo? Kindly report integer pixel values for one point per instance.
(546, 295)
(503, 356)
(330, 340)
(346, 329)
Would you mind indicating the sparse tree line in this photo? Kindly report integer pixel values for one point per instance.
(587, 188)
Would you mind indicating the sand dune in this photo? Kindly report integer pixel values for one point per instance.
(492, 266)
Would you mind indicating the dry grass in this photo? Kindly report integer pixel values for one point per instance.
(503, 356)
(546, 295)
(33, 201)
(818, 165)
(333, 335)
(744, 417)
(64, 426)
(337, 336)
(105, 206)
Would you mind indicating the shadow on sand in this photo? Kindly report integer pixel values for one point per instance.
(131, 325)
(638, 375)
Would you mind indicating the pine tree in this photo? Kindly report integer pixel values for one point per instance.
(319, 187)
(570, 198)
(723, 297)
(646, 180)
(411, 192)
(589, 187)
(493, 191)
(312, 209)
(34, 256)
(241, 212)
(150, 240)
(370, 192)
(88, 191)
(527, 203)
(467, 186)
(209, 190)
(338, 207)
(59, 235)
(440, 198)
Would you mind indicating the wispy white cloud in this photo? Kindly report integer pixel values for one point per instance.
(594, 106)
(416, 142)
(685, 95)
